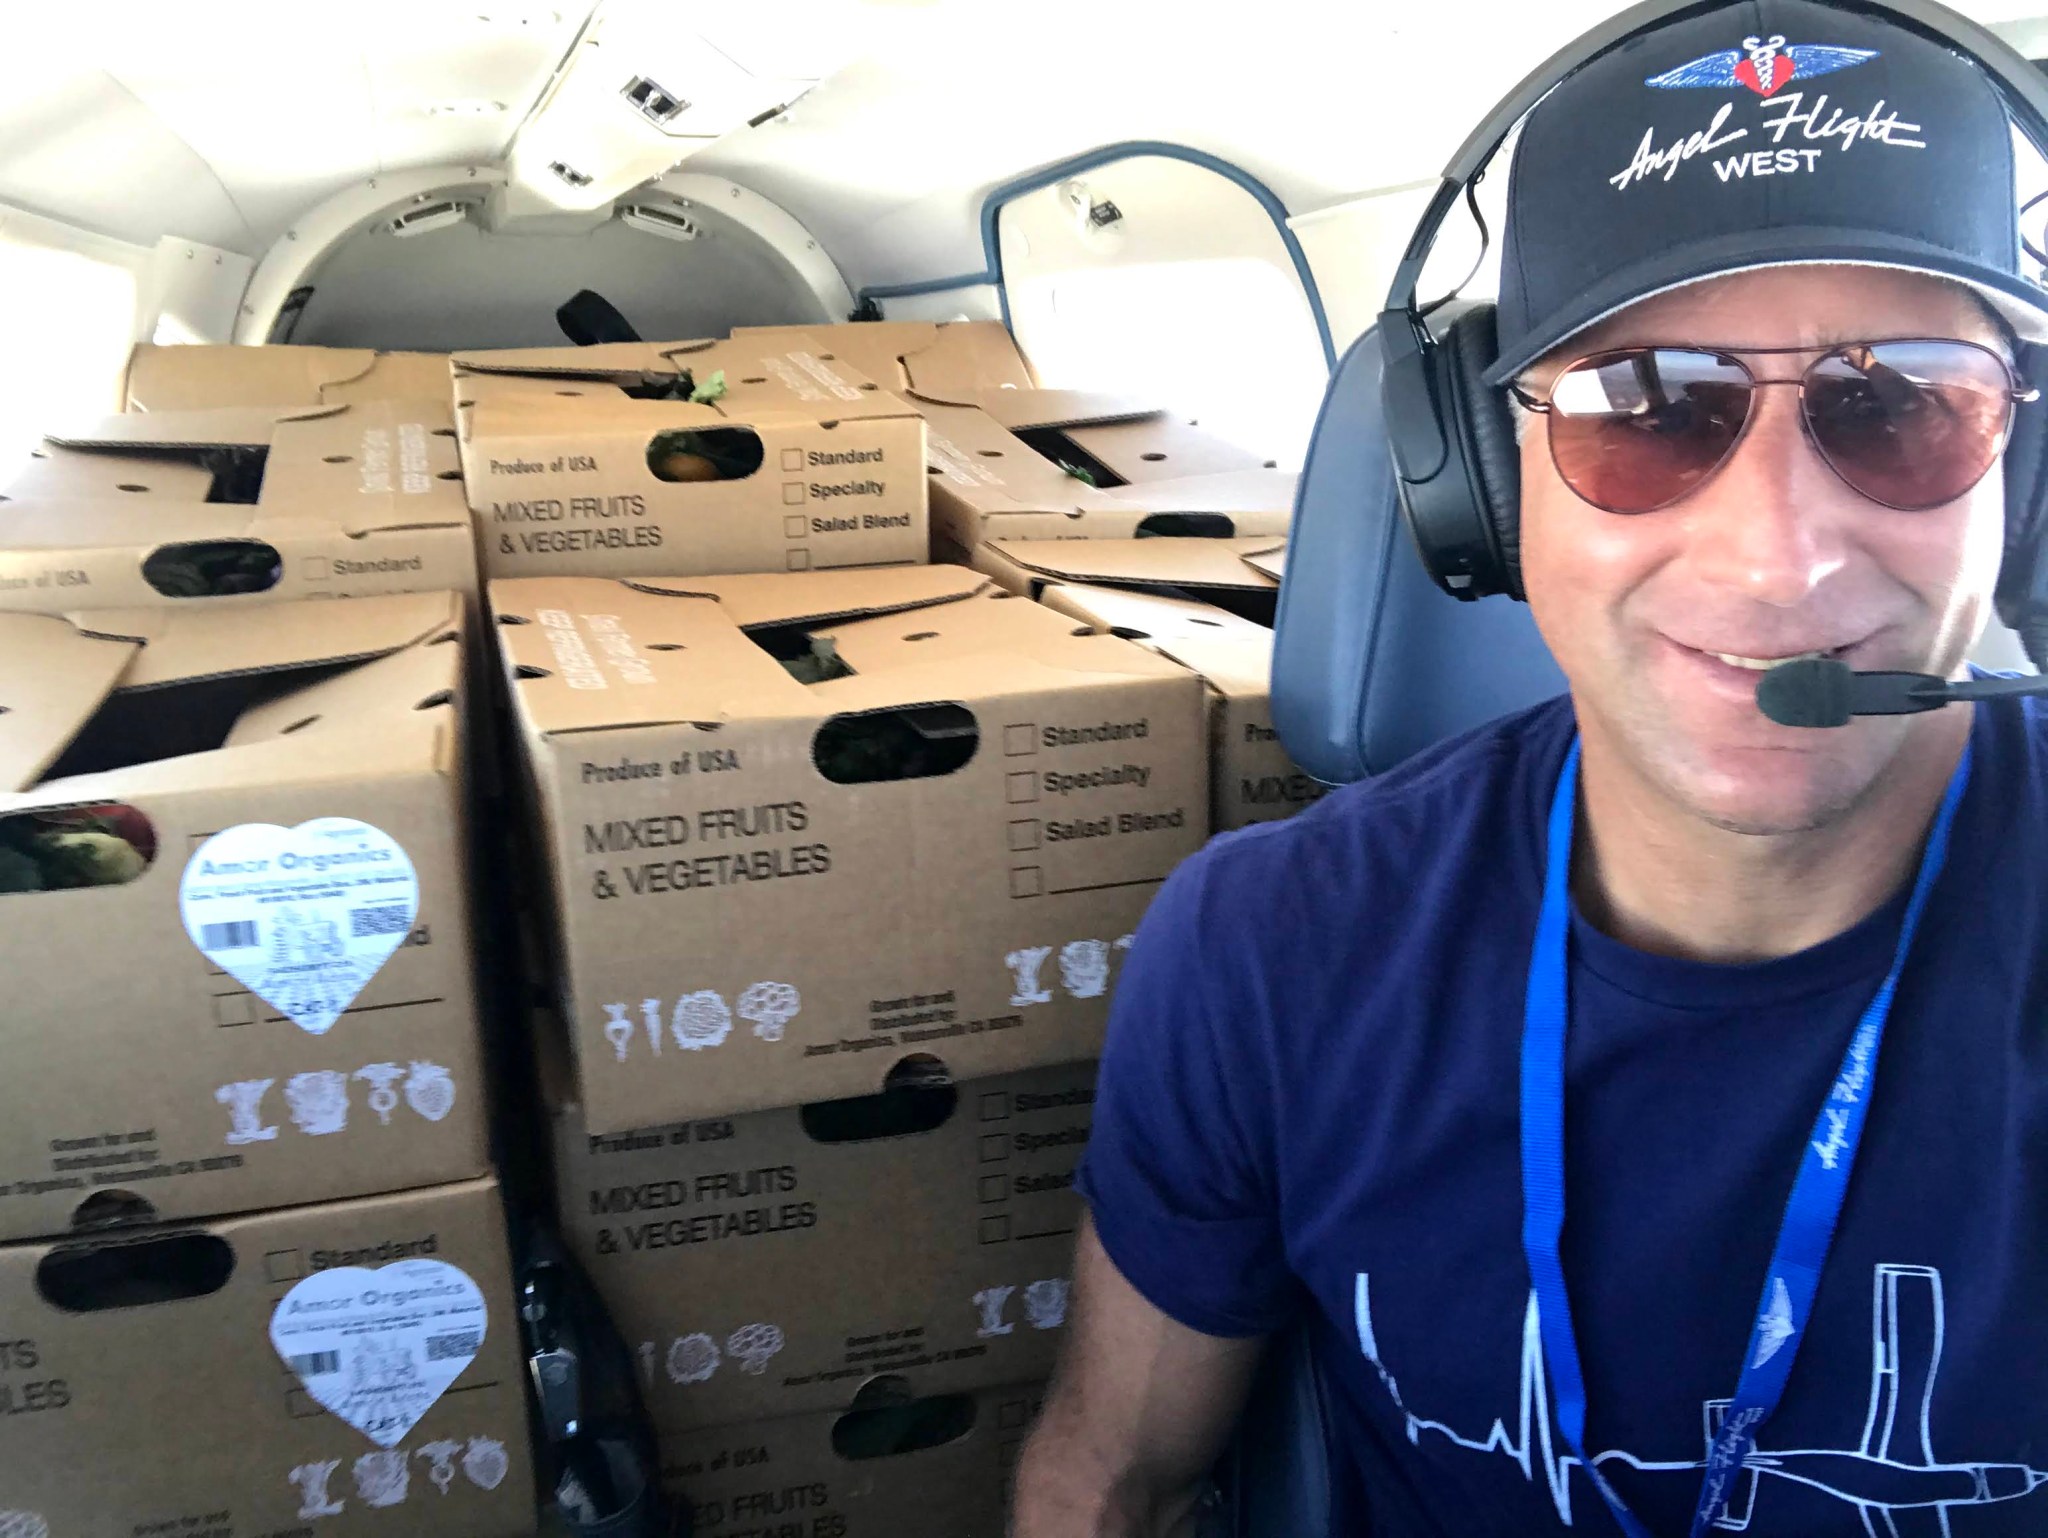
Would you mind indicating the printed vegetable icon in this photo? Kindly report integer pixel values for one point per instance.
(692, 1358)
(318, 1101)
(1084, 968)
(701, 1020)
(618, 1030)
(442, 1453)
(383, 1478)
(1045, 1303)
(430, 1090)
(485, 1463)
(768, 1007)
(754, 1344)
(383, 1098)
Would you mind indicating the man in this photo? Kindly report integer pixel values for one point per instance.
(1314, 1102)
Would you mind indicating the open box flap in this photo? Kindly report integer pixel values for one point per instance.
(53, 675)
(236, 427)
(225, 640)
(1145, 616)
(1264, 498)
(944, 361)
(1196, 563)
(820, 597)
(195, 378)
(1019, 410)
(55, 471)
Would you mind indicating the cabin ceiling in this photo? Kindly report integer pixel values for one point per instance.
(223, 120)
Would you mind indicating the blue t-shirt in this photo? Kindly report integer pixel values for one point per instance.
(1308, 1110)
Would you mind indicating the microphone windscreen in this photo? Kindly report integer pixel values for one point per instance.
(1813, 691)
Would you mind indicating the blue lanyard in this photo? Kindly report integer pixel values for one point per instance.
(1804, 1235)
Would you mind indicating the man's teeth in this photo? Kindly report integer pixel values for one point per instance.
(1763, 664)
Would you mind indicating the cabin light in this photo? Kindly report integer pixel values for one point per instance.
(656, 219)
(428, 216)
(464, 107)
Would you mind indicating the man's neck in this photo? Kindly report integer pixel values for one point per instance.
(1658, 877)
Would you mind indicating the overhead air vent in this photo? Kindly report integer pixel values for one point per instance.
(659, 219)
(568, 175)
(653, 103)
(421, 218)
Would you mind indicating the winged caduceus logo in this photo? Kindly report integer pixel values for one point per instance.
(1762, 64)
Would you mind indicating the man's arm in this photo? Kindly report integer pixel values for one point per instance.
(1139, 1409)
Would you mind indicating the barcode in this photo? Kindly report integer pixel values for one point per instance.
(443, 1348)
(391, 919)
(238, 936)
(315, 1363)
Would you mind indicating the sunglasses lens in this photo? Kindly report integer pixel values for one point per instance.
(1911, 425)
(1632, 432)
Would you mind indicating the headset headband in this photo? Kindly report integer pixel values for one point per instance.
(2024, 89)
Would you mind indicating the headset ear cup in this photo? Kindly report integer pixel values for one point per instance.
(2023, 578)
(1486, 427)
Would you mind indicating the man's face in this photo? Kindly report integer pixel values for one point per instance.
(1772, 557)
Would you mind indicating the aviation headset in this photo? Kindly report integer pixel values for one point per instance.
(1451, 434)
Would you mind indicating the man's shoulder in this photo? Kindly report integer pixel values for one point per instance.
(1455, 800)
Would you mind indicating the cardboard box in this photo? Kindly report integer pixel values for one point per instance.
(774, 1263)
(177, 1380)
(1207, 604)
(200, 377)
(795, 1477)
(275, 1004)
(572, 474)
(1012, 461)
(794, 935)
(314, 502)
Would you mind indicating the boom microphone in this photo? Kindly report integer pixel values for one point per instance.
(1819, 691)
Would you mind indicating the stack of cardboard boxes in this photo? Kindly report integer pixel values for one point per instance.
(253, 1266)
(842, 851)
(827, 861)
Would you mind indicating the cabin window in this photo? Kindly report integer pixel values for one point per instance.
(68, 305)
(1166, 279)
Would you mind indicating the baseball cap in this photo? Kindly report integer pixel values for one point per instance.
(1757, 134)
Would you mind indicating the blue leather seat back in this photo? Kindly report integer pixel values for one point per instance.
(1371, 660)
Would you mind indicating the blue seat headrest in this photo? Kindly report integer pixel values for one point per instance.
(1371, 660)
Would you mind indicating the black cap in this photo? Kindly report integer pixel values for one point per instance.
(1757, 134)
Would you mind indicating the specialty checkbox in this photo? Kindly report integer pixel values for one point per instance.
(792, 493)
(995, 1147)
(1021, 786)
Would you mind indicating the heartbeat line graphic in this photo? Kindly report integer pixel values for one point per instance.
(1893, 1479)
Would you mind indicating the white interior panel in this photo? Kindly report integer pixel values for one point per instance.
(1168, 280)
(463, 287)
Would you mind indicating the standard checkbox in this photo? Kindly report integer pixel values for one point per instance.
(995, 1230)
(995, 1147)
(283, 1265)
(993, 1188)
(792, 459)
(1021, 786)
(1025, 835)
(792, 493)
(995, 1105)
(1027, 881)
(317, 568)
(1020, 739)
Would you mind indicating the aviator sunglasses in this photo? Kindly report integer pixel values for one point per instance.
(1909, 424)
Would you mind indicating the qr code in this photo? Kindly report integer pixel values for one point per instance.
(444, 1348)
(391, 919)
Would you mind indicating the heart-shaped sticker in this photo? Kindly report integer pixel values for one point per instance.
(377, 1346)
(302, 917)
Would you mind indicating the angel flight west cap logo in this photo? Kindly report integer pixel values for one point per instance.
(1762, 64)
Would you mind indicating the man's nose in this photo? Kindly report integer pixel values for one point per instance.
(1769, 525)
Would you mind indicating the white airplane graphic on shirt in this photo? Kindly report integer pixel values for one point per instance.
(1898, 1486)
